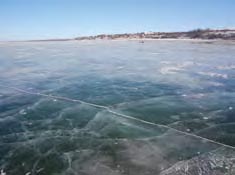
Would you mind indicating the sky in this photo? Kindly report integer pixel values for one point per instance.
(45, 19)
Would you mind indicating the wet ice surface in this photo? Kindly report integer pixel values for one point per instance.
(159, 100)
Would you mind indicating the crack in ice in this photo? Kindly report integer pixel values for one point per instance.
(116, 113)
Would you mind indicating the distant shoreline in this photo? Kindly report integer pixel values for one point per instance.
(194, 35)
(208, 34)
(123, 39)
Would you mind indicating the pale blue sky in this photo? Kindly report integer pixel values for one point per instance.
(40, 19)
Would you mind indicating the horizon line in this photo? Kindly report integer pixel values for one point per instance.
(110, 34)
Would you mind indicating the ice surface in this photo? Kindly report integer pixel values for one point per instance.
(117, 107)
